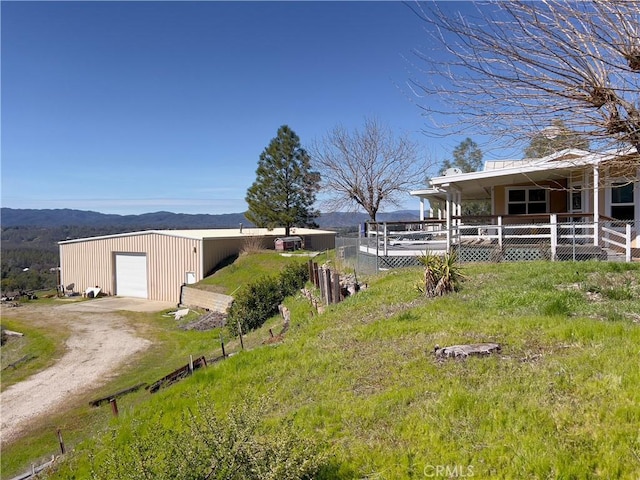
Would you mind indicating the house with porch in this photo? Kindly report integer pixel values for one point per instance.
(572, 204)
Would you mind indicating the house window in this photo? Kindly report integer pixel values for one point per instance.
(521, 201)
(576, 201)
(622, 203)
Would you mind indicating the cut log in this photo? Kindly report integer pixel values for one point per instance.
(465, 350)
(100, 401)
(26, 358)
(11, 333)
(177, 375)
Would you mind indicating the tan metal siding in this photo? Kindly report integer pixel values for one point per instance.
(320, 242)
(92, 262)
(170, 258)
(216, 250)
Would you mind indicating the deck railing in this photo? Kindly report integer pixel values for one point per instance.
(550, 236)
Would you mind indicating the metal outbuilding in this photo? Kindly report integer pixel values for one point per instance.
(154, 264)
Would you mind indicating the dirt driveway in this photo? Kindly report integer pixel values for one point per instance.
(100, 341)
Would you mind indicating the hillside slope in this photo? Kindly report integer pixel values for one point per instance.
(559, 401)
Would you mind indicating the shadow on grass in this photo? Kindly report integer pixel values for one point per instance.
(224, 263)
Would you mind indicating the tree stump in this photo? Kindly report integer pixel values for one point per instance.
(463, 351)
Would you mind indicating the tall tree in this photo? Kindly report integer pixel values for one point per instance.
(553, 139)
(509, 68)
(285, 188)
(467, 156)
(366, 168)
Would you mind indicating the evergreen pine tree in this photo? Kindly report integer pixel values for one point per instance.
(285, 188)
(467, 156)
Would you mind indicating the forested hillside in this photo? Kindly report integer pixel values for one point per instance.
(12, 217)
(30, 237)
(30, 254)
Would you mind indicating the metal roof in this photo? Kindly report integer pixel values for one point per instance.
(212, 233)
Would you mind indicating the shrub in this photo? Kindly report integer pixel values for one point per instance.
(235, 446)
(252, 244)
(256, 302)
(293, 277)
(441, 274)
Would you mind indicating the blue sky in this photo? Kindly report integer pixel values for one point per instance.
(133, 107)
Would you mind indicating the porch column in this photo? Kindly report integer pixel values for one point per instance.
(448, 214)
(493, 203)
(596, 205)
(421, 208)
(385, 253)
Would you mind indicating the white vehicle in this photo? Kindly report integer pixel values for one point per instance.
(413, 238)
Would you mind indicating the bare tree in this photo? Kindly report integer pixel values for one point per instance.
(509, 69)
(366, 168)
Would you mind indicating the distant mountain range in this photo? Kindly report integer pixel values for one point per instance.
(29, 238)
(47, 218)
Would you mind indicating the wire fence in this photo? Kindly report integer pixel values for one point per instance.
(557, 237)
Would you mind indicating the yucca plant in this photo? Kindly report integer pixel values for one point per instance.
(441, 274)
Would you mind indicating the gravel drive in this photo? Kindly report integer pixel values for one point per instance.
(99, 343)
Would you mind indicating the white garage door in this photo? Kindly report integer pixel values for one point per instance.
(131, 275)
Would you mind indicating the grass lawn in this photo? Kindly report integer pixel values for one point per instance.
(247, 268)
(22, 356)
(561, 400)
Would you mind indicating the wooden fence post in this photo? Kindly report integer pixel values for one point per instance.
(327, 287)
(62, 449)
(240, 333)
(321, 284)
(114, 407)
(337, 297)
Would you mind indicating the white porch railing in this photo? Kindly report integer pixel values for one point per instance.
(526, 237)
(618, 236)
